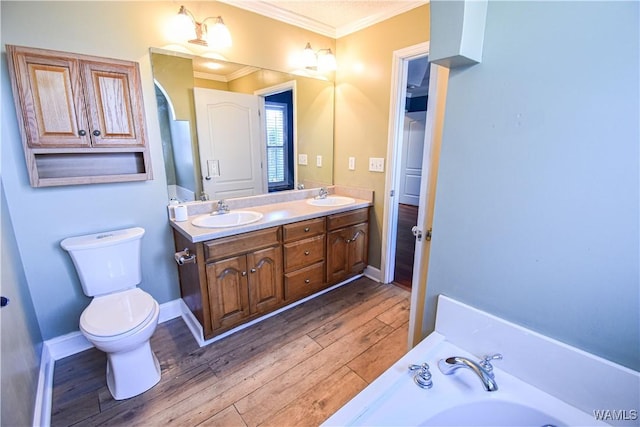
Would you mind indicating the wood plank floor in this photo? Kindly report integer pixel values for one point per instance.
(405, 245)
(294, 369)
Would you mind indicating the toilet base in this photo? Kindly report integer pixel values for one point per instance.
(132, 372)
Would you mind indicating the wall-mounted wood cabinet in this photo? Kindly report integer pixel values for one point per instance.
(81, 117)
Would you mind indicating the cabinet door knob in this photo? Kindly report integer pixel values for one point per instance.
(253, 270)
(306, 252)
(306, 229)
(82, 132)
(307, 281)
(244, 273)
(96, 132)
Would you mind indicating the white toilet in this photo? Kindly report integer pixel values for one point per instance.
(121, 317)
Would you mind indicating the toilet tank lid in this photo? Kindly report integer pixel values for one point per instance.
(102, 239)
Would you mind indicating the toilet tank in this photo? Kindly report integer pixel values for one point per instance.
(106, 262)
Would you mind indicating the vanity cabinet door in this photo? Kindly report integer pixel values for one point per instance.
(228, 291)
(265, 279)
(347, 252)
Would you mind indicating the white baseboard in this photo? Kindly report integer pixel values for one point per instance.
(373, 273)
(67, 345)
(42, 406)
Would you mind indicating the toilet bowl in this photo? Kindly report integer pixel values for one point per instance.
(121, 317)
(121, 325)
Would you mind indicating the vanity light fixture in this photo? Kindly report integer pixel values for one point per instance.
(323, 60)
(187, 28)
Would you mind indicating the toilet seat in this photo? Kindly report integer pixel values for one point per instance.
(116, 314)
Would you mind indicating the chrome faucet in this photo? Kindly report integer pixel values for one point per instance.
(483, 369)
(223, 208)
(323, 193)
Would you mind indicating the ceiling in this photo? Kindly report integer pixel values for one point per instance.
(331, 18)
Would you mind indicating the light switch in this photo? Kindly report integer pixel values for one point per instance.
(302, 159)
(376, 164)
(352, 163)
(319, 161)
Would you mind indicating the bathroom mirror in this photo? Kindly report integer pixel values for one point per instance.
(178, 76)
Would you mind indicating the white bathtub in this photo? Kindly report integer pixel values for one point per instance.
(540, 381)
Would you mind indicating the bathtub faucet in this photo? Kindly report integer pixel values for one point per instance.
(483, 369)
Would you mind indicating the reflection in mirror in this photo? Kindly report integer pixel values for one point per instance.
(205, 108)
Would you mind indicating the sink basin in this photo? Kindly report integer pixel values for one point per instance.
(331, 201)
(231, 219)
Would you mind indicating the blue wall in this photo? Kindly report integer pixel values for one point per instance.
(537, 204)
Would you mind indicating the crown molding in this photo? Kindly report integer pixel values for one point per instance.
(271, 11)
(277, 13)
(402, 7)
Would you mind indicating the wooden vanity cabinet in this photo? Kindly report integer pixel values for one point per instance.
(238, 278)
(347, 244)
(81, 117)
(244, 276)
(304, 254)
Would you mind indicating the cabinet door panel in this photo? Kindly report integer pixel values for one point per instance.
(228, 294)
(265, 279)
(54, 108)
(116, 92)
(358, 248)
(337, 255)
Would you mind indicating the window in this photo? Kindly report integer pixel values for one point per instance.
(279, 129)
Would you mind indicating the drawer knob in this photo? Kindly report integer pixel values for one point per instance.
(306, 252)
(307, 281)
(306, 229)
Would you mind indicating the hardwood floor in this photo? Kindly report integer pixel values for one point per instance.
(405, 245)
(294, 369)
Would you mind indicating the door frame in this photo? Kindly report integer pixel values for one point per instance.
(399, 68)
(427, 186)
(272, 90)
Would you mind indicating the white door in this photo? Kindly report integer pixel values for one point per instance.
(411, 165)
(230, 143)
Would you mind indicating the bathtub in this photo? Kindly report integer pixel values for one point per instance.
(541, 382)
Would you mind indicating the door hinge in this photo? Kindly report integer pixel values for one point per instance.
(428, 235)
(392, 193)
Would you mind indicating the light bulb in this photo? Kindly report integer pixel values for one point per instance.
(218, 35)
(182, 26)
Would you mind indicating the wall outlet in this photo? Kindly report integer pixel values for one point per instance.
(376, 164)
(352, 163)
(302, 159)
(319, 161)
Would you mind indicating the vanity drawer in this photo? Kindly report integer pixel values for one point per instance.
(303, 252)
(302, 229)
(241, 244)
(347, 218)
(303, 282)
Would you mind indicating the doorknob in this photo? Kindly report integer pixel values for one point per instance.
(417, 232)
(4, 301)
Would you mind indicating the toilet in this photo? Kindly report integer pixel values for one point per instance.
(121, 317)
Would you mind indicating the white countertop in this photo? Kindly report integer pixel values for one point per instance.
(274, 214)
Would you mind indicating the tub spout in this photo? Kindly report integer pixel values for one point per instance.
(483, 370)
